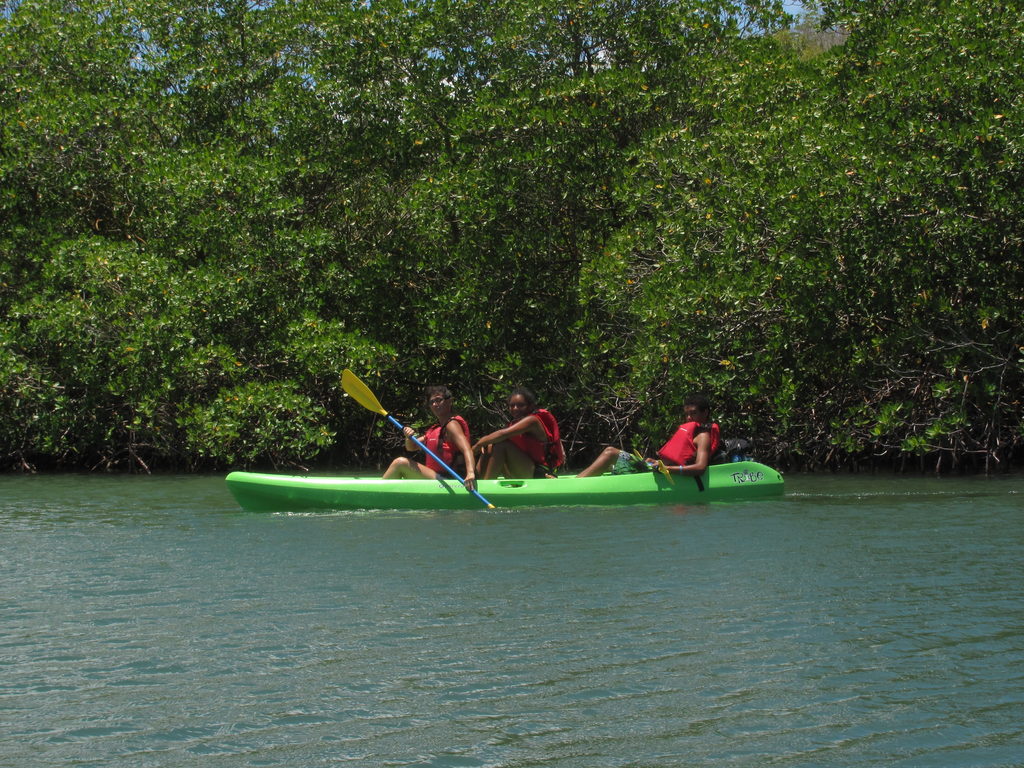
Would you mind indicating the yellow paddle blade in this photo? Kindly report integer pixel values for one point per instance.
(664, 470)
(360, 392)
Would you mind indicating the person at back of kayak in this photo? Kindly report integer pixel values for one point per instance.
(530, 446)
(448, 438)
(687, 452)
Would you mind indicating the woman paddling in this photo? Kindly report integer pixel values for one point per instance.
(448, 438)
(530, 446)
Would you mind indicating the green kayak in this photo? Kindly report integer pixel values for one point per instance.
(722, 482)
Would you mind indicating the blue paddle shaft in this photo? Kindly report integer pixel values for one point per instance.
(438, 459)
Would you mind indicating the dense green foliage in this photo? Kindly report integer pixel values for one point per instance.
(208, 210)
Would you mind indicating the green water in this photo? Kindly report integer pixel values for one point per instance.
(860, 621)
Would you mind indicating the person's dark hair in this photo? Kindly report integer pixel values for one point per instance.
(432, 391)
(530, 398)
(698, 400)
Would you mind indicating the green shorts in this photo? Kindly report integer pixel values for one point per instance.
(628, 464)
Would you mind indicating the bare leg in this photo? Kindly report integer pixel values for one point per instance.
(482, 461)
(508, 461)
(602, 463)
(404, 468)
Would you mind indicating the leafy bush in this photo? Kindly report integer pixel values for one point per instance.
(205, 214)
(257, 423)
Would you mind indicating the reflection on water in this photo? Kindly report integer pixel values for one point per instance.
(859, 621)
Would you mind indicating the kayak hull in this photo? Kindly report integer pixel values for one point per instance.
(257, 492)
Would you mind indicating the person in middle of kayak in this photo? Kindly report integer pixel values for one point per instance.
(687, 452)
(448, 438)
(530, 446)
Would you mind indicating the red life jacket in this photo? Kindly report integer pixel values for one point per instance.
(680, 449)
(550, 452)
(435, 440)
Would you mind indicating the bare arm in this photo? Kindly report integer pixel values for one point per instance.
(526, 424)
(410, 444)
(703, 458)
(458, 438)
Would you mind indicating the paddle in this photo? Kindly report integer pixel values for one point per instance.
(660, 466)
(362, 395)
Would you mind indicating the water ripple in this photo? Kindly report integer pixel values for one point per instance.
(841, 627)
